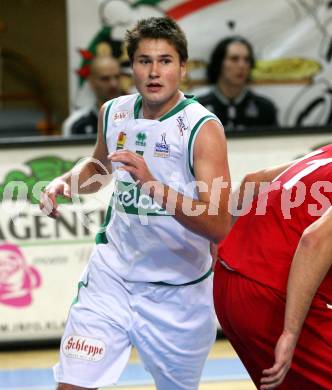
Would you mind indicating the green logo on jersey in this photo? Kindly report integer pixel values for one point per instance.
(128, 198)
(140, 139)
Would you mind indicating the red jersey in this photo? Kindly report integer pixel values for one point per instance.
(262, 243)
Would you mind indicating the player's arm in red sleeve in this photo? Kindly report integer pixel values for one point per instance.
(311, 262)
(256, 179)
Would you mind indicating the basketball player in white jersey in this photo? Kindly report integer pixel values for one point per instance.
(148, 280)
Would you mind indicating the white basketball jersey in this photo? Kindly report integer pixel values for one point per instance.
(141, 241)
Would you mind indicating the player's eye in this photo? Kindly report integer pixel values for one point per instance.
(144, 61)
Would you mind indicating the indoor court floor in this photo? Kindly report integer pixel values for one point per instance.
(31, 370)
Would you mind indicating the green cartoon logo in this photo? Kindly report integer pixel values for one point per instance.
(21, 185)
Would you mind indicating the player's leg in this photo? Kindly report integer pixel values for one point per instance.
(251, 317)
(175, 330)
(63, 386)
(311, 366)
(95, 347)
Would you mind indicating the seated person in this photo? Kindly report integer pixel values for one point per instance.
(235, 105)
(104, 80)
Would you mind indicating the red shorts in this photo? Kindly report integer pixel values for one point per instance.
(252, 315)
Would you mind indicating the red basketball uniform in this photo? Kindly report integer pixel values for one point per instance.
(250, 286)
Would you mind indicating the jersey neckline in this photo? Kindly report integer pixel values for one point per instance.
(189, 99)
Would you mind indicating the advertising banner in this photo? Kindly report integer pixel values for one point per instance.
(41, 258)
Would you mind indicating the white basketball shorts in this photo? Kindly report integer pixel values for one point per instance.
(172, 328)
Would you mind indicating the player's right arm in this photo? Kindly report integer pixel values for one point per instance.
(86, 177)
(311, 262)
(256, 178)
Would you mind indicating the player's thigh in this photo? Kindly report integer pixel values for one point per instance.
(251, 316)
(176, 335)
(93, 353)
(64, 386)
(312, 357)
(95, 346)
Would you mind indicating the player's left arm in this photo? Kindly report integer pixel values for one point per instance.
(311, 262)
(211, 171)
(209, 215)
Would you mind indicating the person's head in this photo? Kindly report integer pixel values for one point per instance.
(157, 49)
(104, 78)
(157, 28)
(231, 62)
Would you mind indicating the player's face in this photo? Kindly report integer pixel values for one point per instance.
(236, 65)
(157, 72)
(106, 81)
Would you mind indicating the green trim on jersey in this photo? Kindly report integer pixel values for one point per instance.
(179, 107)
(192, 138)
(106, 114)
(175, 110)
(206, 275)
(137, 106)
(101, 237)
(79, 286)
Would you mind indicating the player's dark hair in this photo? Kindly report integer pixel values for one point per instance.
(219, 54)
(157, 28)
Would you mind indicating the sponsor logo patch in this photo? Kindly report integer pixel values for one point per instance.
(162, 149)
(120, 116)
(121, 140)
(181, 125)
(85, 348)
(140, 142)
(140, 139)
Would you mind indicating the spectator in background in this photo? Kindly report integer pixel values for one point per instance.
(235, 105)
(104, 80)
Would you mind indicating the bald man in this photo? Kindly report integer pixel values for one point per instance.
(104, 80)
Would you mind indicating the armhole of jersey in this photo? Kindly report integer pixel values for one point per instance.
(106, 116)
(192, 138)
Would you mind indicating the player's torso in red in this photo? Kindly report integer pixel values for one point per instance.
(262, 243)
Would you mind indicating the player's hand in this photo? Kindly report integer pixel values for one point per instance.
(48, 204)
(134, 164)
(283, 353)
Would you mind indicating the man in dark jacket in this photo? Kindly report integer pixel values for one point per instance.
(229, 71)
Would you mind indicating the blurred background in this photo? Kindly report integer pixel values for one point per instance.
(46, 48)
